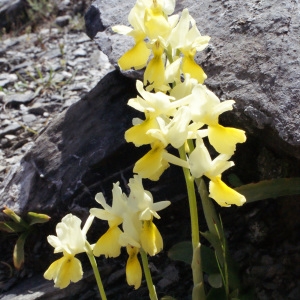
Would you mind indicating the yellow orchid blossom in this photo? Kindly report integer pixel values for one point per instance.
(202, 164)
(189, 41)
(70, 240)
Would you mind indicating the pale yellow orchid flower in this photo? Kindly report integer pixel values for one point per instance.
(70, 240)
(189, 41)
(201, 164)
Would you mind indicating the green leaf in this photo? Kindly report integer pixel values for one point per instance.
(11, 227)
(18, 254)
(183, 252)
(215, 280)
(167, 298)
(35, 218)
(17, 219)
(267, 189)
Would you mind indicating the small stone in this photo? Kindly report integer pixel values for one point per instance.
(63, 21)
(37, 109)
(10, 137)
(79, 53)
(29, 118)
(6, 78)
(53, 53)
(20, 98)
(4, 65)
(10, 129)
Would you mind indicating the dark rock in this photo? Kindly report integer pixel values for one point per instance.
(12, 13)
(252, 58)
(93, 21)
(62, 21)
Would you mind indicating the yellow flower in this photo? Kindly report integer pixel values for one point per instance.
(202, 164)
(108, 244)
(152, 104)
(70, 240)
(62, 271)
(141, 201)
(206, 107)
(223, 194)
(188, 41)
(151, 239)
(133, 267)
(138, 55)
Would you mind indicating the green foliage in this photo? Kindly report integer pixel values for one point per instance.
(22, 227)
(267, 189)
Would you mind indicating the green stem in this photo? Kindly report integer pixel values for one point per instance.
(151, 288)
(96, 271)
(198, 290)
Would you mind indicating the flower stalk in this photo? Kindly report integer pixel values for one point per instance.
(198, 290)
(148, 277)
(93, 262)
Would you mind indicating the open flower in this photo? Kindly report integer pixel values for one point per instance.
(70, 240)
(189, 41)
(108, 244)
(206, 107)
(149, 20)
(202, 164)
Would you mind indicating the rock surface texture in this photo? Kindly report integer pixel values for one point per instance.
(252, 58)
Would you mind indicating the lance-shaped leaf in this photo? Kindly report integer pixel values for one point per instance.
(267, 189)
(35, 218)
(11, 227)
(17, 219)
(18, 254)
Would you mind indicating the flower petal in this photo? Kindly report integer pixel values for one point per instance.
(62, 271)
(191, 67)
(151, 239)
(136, 57)
(133, 268)
(223, 194)
(108, 244)
(152, 164)
(224, 139)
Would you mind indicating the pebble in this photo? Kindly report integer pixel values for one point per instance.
(80, 52)
(20, 98)
(62, 21)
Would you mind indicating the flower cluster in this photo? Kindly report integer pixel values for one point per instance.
(181, 109)
(135, 214)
